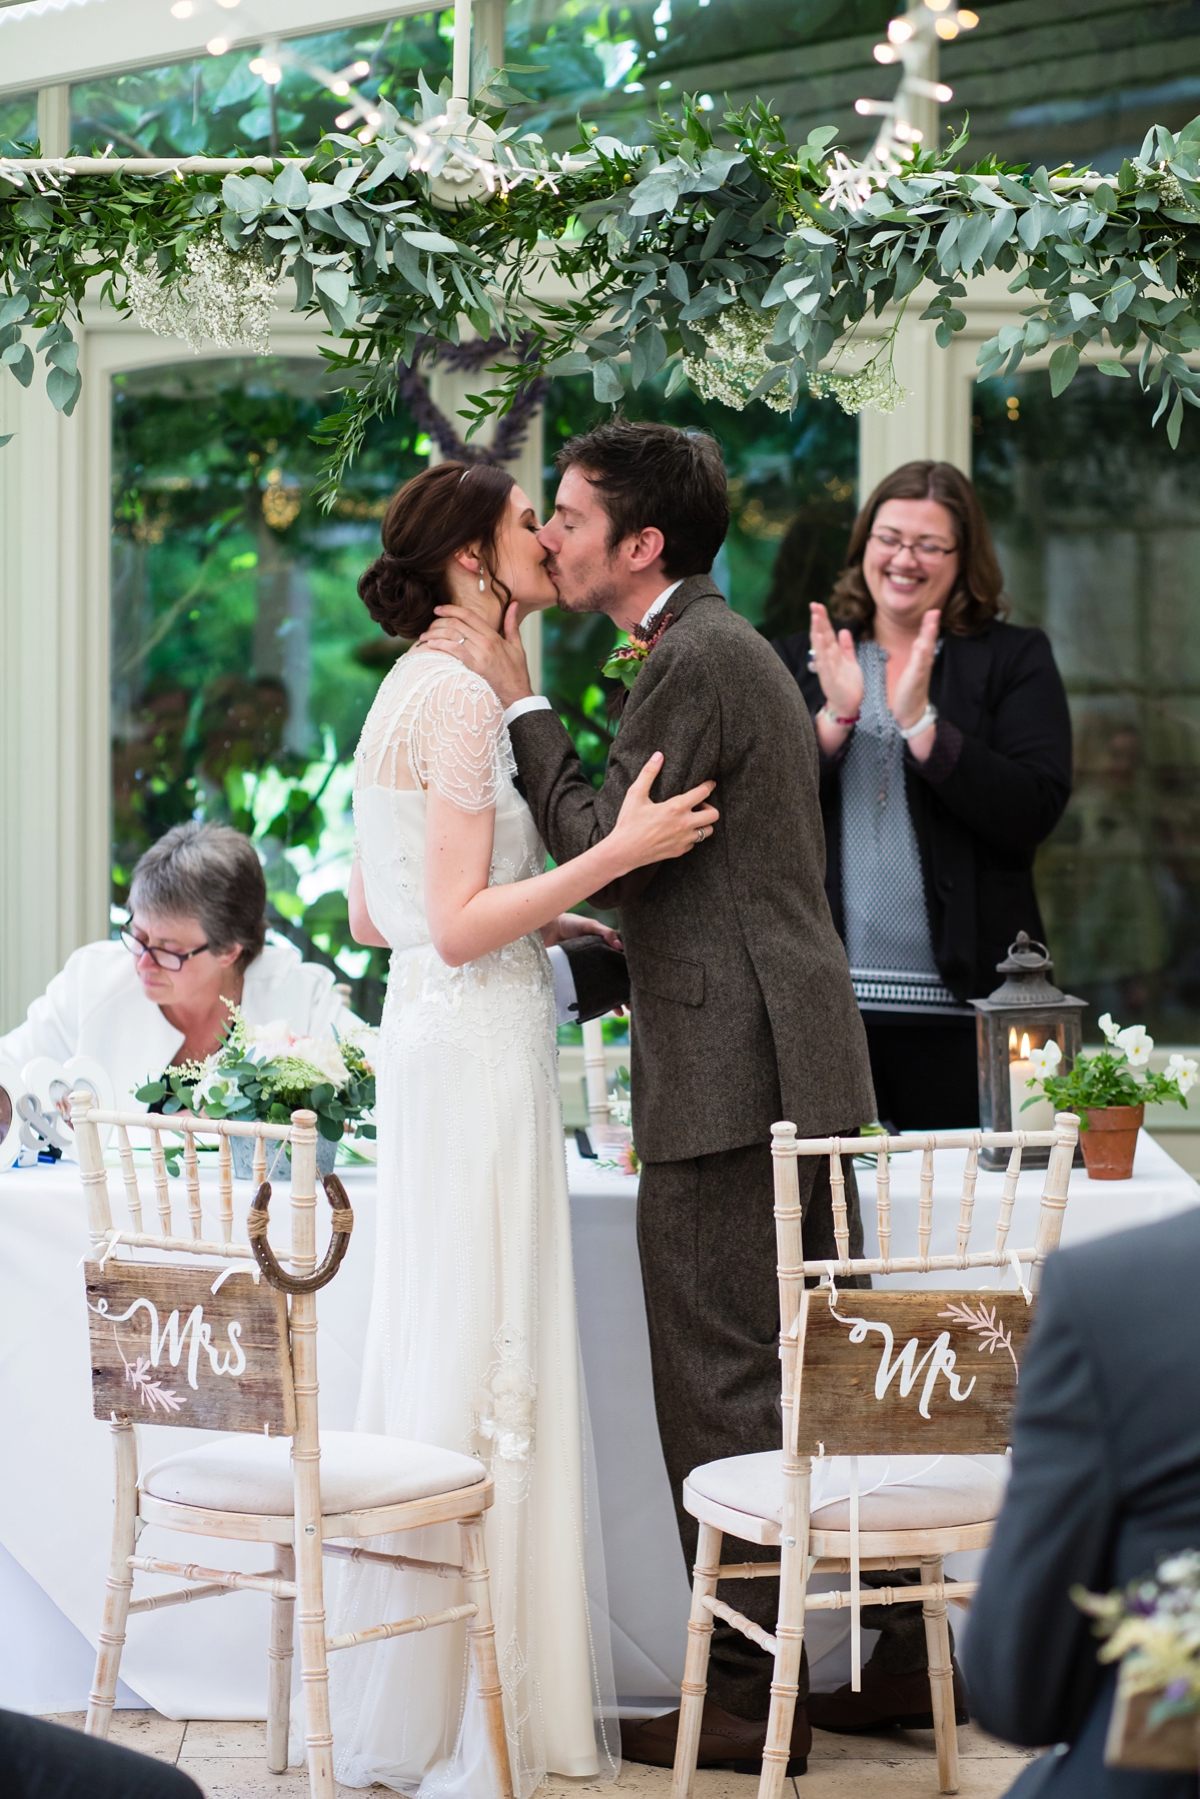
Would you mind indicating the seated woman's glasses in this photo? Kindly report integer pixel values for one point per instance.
(170, 959)
(924, 550)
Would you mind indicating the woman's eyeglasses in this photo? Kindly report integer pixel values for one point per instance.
(170, 959)
(923, 550)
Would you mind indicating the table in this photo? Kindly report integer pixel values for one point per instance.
(55, 1497)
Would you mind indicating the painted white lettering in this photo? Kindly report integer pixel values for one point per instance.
(939, 1355)
(172, 1337)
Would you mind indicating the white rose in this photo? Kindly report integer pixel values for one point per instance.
(1136, 1043)
(323, 1054)
(267, 1042)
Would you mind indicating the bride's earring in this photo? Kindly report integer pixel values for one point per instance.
(482, 585)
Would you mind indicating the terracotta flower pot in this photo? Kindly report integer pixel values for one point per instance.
(1110, 1140)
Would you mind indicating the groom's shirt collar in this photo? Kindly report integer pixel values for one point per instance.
(660, 602)
(538, 703)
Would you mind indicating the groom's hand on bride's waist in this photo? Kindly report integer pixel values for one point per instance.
(498, 656)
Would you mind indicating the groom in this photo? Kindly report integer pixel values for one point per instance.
(742, 1008)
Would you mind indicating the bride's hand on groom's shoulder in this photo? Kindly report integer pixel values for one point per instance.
(498, 656)
(649, 831)
(574, 924)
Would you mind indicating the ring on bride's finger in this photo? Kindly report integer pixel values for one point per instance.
(462, 640)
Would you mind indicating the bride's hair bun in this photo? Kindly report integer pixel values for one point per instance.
(437, 513)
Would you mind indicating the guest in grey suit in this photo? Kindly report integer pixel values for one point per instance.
(742, 1009)
(1105, 1482)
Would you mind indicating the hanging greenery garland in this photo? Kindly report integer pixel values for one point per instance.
(760, 270)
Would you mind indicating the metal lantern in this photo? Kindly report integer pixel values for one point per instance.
(1025, 1012)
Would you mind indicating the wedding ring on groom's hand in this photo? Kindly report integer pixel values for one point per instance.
(701, 833)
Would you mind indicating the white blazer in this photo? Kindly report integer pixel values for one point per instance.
(96, 1007)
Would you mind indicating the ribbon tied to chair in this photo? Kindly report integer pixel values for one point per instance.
(264, 1255)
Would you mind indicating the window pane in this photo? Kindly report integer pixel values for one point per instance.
(1098, 525)
(18, 124)
(243, 661)
(217, 105)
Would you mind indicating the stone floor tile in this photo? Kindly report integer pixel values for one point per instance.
(213, 1736)
(146, 1731)
(248, 1777)
(909, 1745)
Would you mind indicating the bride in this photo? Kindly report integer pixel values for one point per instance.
(472, 1339)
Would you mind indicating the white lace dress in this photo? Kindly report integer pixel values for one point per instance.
(472, 1339)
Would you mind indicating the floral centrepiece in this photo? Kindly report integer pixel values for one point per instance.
(265, 1073)
(1152, 1627)
(1114, 1077)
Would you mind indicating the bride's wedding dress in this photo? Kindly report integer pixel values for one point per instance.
(471, 1341)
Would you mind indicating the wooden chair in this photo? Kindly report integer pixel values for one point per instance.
(244, 1361)
(846, 1393)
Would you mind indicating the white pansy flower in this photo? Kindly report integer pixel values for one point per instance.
(1136, 1043)
(1045, 1059)
(1110, 1029)
(1183, 1071)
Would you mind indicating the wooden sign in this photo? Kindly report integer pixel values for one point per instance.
(896, 1373)
(167, 1349)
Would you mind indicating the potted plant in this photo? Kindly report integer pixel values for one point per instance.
(265, 1072)
(1152, 1628)
(1109, 1092)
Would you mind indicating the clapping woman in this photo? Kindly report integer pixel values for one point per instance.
(945, 751)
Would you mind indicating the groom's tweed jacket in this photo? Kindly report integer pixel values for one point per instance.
(742, 1008)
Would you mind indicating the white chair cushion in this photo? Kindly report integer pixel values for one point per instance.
(241, 1473)
(898, 1492)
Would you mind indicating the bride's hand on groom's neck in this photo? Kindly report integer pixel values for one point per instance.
(498, 656)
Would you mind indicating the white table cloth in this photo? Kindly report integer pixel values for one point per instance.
(209, 1660)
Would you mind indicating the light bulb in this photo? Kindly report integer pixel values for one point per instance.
(360, 68)
(374, 120)
(227, 4)
(899, 31)
(967, 20)
(937, 5)
(366, 134)
(946, 28)
(272, 74)
(884, 53)
(863, 108)
(217, 46)
(343, 119)
(340, 88)
(182, 9)
(943, 93)
(256, 65)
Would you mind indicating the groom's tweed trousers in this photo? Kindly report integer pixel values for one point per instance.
(742, 1012)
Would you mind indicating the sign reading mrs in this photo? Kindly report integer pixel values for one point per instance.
(231, 1347)
(949, 1388)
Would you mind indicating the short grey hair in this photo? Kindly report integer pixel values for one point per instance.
(210, 873)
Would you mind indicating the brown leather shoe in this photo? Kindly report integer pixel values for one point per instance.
(887, 1702)
(726, 1742)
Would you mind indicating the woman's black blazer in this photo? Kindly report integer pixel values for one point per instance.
(995, 785)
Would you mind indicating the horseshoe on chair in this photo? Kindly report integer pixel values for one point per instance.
(264, 1255)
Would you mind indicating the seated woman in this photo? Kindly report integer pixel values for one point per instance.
(195, 944)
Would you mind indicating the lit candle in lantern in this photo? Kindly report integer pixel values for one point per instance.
(1040, 1116)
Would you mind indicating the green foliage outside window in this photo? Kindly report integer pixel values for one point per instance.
(243, 660)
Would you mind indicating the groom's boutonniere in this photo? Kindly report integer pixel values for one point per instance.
(625, 663)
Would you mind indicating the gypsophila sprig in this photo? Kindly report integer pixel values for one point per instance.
(762, 270)
(226, 297)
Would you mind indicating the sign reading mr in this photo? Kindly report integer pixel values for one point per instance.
(903, 1373)
(199, 1346)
